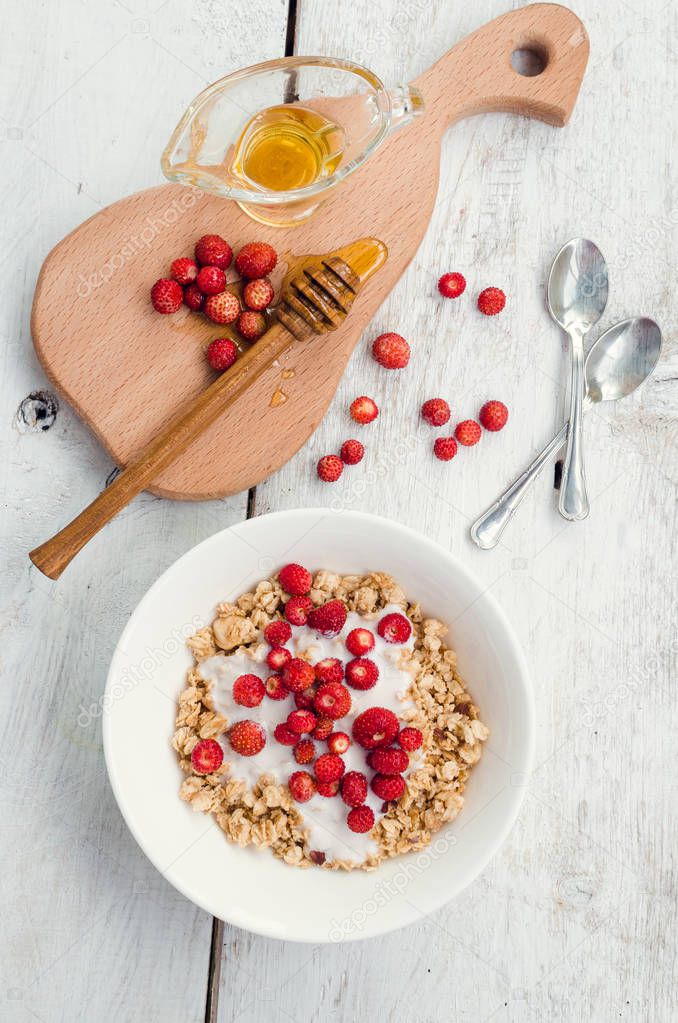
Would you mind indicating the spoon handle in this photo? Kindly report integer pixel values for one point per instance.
(573, 503)
(487, 530)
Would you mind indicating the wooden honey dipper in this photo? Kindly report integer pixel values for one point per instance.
(317, 299)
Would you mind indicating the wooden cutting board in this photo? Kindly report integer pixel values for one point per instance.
(127, 370)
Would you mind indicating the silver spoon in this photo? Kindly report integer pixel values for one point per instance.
(576, 298)
(619, 361)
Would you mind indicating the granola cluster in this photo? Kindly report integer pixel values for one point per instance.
(265, 815)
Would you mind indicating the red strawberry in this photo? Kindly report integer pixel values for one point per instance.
(388, 786)
(221, 353)
(395, 628)
(278, 633)
(467, 432)
(493, 416)
(362, 673)
(376, 726)
(360, 819)
(283, 734)
(212, 250)
(256, 259)
(276, 688)
(211, 280)
(166, 295)
(338, 742)
(329, 767)
(352, 452)
(258, 295)
(297, 609)
(184, 270)
(251, 326)
(410, 739)
(391, 351)
(248, 690)
(491, 301)
(389, 760)
(295, 579)
(445, 448)
(332, 700)
(304, 751)
(247, 738)
(297, 675)
(327, 788)
(223, 308)
(324, 728)
(277, 657)
(304, 699)
(207, 756)
(354, 788)
(328, 619)
(301, 721)
(193, 297)
(330, 468)
(452, 285)
(359, 642)
(330, 669)
(363, 410)
(435, 411)
(301, 786)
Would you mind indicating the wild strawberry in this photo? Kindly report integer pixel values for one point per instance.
(352, 452)
(324, 728)
(223, 308)
(301, 786)
(211, 280)
(212, 250)
(329, 767)
(338, 742)
(330, 669)
(452, 285)
(395, 628)
(328, 619)
(193, 297)
(362, 673)
(445, 448)
(248, 690)
(221, 353)
(278, 633)
(283, 734)
(247, 738)
(298, 675)
(410, 739)
(360, 819)
(184, 270)
(467, 432)
(258, 295)
(435, 411)
(297, 609)
(166, 295)
(251, 326)
(295, 579)
(304, 699)
(493, 416)
(207, 756)
(276, 688)
(376, 726)
(359, 642)
(391, 351)
(327, 788)
(301, 721)
(389, 760)
(363, 410)
(491, 301)
(354, 788)
(277, 657)
(388, 786)
(304, 751)
(330, 468)
(332, 700)
(256, 259)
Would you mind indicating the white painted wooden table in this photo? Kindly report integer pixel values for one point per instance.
(575, 918)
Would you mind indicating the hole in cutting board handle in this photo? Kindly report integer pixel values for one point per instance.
(529, 61)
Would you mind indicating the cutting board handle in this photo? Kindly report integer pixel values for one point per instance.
(477, 76)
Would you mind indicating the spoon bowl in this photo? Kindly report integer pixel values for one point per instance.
(622, 358)
(577, 286)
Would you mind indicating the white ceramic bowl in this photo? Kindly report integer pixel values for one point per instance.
(253, 889)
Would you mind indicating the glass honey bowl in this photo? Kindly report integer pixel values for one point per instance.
(277, 137)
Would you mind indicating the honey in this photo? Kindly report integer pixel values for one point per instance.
(287, 147)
